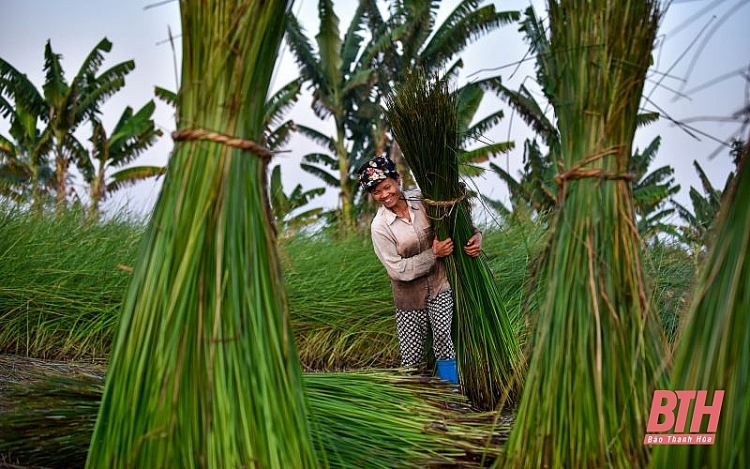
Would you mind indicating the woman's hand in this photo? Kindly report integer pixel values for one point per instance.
(474, 245)
(442, 248)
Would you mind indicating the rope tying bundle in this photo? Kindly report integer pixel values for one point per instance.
(201, 134)
(577, 171)
(592, 173)
(446, 205)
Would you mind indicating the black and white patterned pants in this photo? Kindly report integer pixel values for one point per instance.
(412, 327)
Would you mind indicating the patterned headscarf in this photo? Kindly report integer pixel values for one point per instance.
(376, 170)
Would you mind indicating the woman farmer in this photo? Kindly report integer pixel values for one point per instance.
(405, 243)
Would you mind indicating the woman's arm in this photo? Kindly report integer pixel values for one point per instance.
(406, 268)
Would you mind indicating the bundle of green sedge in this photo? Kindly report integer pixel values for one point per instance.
(204, 372)
(374, 420)
(713, 348)
(597, 349)
(422, 115)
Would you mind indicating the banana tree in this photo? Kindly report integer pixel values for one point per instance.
(133, 134)
(349, 77)
(72, 104)
(284, 206)
(472, 131)
(61, 108)
(341, 77)
(411, 38)
(651, 192)
(24, 168)
(697, 223)
(535, 187)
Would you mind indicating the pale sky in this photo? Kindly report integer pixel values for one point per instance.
(700, 77)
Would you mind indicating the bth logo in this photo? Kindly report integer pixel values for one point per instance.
(666, 428)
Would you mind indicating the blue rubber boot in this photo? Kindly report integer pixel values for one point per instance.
(447, 370)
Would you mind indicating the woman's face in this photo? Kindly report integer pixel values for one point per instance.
(387, 192)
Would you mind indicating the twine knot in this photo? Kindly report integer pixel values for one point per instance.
(446, 205)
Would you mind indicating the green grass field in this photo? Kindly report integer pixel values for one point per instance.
(62, 281)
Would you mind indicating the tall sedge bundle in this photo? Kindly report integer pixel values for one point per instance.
(598, 346)
(204, 372)
(422, 115)
(713, 349)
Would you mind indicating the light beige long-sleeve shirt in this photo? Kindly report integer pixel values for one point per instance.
(405, 250)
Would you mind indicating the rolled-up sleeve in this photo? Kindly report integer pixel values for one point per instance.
(399, 268)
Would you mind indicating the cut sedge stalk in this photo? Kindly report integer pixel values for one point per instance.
(374, 420)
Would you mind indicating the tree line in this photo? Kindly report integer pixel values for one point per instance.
(349, 75)
(42, 146)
